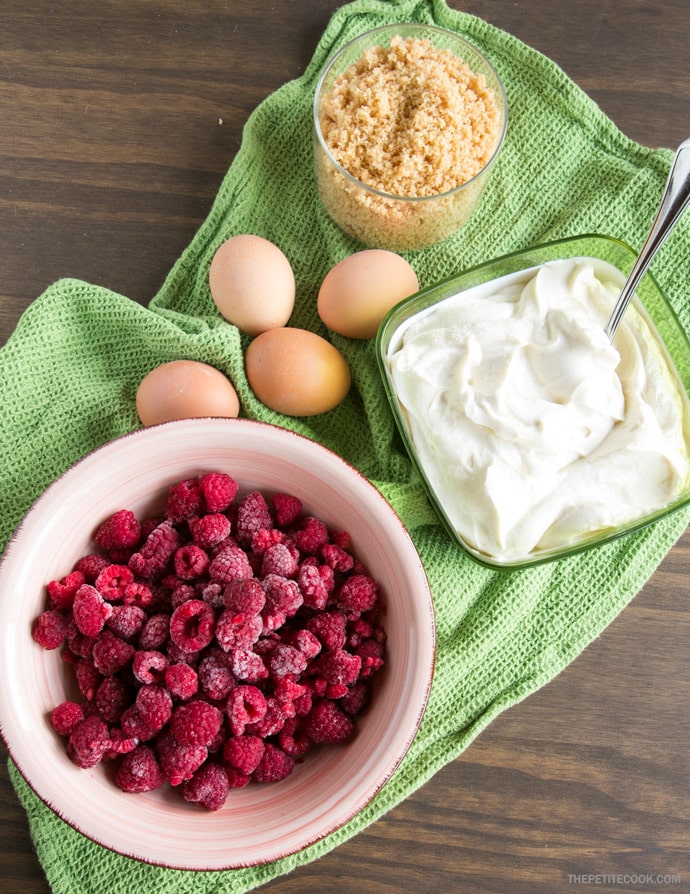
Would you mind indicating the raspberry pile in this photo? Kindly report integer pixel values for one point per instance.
(214, 645)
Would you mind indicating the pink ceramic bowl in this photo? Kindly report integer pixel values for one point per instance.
(258, 823)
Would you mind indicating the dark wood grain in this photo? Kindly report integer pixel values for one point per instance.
(118, 123)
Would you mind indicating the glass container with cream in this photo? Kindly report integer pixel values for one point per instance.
(535, 436)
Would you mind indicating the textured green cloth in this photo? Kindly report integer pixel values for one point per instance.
(69, 374)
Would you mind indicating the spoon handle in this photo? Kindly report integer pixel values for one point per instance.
(673, 202)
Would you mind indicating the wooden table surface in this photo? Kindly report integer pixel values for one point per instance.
(118, 123)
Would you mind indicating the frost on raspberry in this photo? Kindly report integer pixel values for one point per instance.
(111, 654)
(90, 611)
(190, 561)
(155, 705)
(218, 490)
(359, 593)
(253, 514)
(245, 705)
(192, 625)
(208, 787)
(274, 765)
(209, 530)
(184, 499)
(195, 723)
(65, 716)
(178, 762)
(139, 771)
(311, 535)
(287, 509)
(113, 697)
(149, 665)
(113, 580)
(279, 559)
(182, 681)
(50, 629)
(244, 597)
(156, 551)
(230, 564)
(88, 741)
(237, 630)
(327, 724)
(119, 532)
(243, 752)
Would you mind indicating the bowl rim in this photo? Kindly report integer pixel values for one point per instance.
(596, 539)
(422, 659)
(394, 29)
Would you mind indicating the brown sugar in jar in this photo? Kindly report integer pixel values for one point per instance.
(406, 131)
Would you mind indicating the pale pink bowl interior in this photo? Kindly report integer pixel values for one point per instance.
(258, 823)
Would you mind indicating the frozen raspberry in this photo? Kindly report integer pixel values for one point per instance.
(190, 562)
(215, 677)
(252, 515)
(80, 646)
(139, 771)
(112, 698)
(303, 703)
(50, 629)
(65, 717)
(120, 743)
(155, 631)
(112, 581)
(316, 583)
(91, 566)
(272, 722)
(359, 593)
(209, 530)
(337, 666)
(138, 593)
(246, 704)
(184, 499)
(126, 621)
(278, 559)
(265, 537)
(195, 723)
(155, 705)
(247, 666)
(326, 724)
(356, 699)
(287, 660)
(178, 762)
(61, 592)
(237, 779)
(90, 611)
(342, 539)
(283, 596)
(182, 681)
(237, 631)
(133, 725)
(370, 652)
(192, 625)
(212, 593)
(244, 597)
(88, 741)
(337, 558)
(119, 532)
(311, 536)
(208, 787)
(287, 509)
(156, 551)
(230, 564)
(274, 765)
(243, 753)
(308, 644)
(293, 740)
(88, 678)
(149, 665)
(218, 490)
(111, 654)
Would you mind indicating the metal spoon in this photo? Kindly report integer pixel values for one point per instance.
(673, 202)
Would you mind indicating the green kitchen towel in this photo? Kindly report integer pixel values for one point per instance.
(69, 374)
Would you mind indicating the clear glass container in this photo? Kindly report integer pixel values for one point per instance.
(398, 222)
(649, 301)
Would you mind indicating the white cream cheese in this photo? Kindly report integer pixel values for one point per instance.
(532, 429)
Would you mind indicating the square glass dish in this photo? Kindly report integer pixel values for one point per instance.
(623, 483)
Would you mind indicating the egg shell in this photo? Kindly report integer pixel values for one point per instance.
(296, 372)
(358, 292)
(252, 283)
(185, 389)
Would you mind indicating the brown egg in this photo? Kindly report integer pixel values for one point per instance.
(185, 389)
(252, 284)
(358, 292)
(296, 372)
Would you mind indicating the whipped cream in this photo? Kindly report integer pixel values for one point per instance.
(533, 430)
